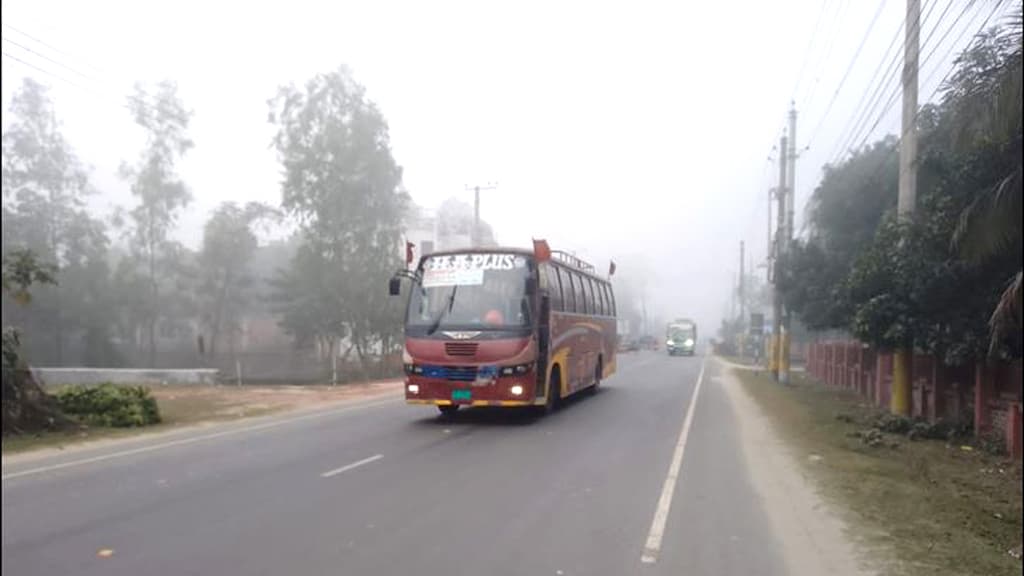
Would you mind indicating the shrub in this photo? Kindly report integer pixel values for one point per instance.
(110, 405)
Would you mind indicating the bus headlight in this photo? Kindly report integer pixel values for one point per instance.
(669, 343)
(518, 370)
(516, 390)
(413, 388)
(688, 343)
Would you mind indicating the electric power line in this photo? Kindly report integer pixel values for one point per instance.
(864, 108)
(849, 67)
(130, 97)
(807, 51)
(952, 47)
(34, 67)
(105, 96)
(47, 58)
(892, 83)
(50, 46)
(840, 11)
(949, 73)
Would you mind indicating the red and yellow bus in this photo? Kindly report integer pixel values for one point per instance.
(505, 327)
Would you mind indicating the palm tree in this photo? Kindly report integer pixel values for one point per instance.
(988, 109)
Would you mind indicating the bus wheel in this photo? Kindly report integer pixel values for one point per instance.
(598, 371)
(554, 391)
(449, 410)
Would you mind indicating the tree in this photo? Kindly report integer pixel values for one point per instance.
(161, 194)
(901, 285)
(844, 213)
(229, 243)
(26, 405)
(985, 100)
(45, 187)
(344, 187)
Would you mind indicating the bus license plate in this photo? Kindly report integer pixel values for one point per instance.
(461, 394)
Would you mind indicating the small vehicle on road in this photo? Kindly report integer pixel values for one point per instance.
(649, 343)
(681, 337)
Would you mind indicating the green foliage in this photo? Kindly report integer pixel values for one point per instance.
(985, 102)
(844, 213)
(343, 186)
(229, 242)
(109, 405)
(161, 194)
(45, 188)
(898, 283)
(21, 269)
(25, 405)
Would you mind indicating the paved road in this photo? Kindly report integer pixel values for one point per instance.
(388, 489)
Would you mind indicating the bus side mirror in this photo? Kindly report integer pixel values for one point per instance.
(395, 286)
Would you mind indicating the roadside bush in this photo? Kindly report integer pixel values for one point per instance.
(110, 405)
(894, 424)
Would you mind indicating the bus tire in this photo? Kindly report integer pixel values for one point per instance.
(449, 410)
(598, 371)
(554, 391)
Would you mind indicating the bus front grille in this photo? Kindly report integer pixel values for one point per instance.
(460, 348)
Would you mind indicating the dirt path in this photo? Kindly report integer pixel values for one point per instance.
(813, 537)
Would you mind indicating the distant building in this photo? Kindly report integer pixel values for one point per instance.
(448, 228)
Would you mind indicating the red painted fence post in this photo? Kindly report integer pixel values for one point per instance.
(940, 376)
(982, 394)
(1014, 440)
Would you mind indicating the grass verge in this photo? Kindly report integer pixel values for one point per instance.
(938, 508)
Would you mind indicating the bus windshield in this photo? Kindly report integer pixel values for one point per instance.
(471, 292)
(681, 332)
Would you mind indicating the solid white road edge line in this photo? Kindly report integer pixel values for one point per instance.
(191, 440)
(653, 546)
(337, 471)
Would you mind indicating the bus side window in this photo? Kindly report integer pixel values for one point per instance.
(611, 298)
(574, 290)
(591, 299)
(554, 287)
(602, 306)
(570, 290)
(582, 306)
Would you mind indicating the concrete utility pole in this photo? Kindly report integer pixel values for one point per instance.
(771, 250)
(741, 288)
(476, 209)
(775, 354)
(902, 365)
(787, 237)
(791, 156)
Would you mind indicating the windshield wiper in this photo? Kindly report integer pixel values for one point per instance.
(437, 321)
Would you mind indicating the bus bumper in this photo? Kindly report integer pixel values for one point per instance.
(444, 393)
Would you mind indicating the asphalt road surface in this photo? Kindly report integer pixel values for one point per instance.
(635, 479)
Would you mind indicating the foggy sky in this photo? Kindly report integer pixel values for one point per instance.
(637, 131)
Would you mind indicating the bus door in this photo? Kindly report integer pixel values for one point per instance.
(543, 332)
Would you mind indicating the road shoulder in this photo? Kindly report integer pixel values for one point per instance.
(813, 536)
(357, 394)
